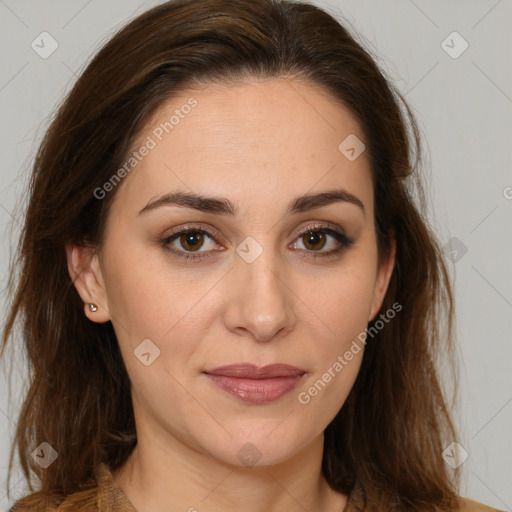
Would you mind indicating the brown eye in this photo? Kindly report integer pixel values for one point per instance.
(314, 240)
(190, 243)
(191, 240)
(322, 241)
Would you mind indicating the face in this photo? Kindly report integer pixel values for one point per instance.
(260, 277)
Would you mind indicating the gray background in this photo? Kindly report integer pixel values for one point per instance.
(464, 108)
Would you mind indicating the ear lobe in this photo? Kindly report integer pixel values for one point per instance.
(85, 272)
(384, 273)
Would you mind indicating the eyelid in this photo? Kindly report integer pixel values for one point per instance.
(343, 239)
(211, 233)
(332, 230)
(320, 225)
(210, 230)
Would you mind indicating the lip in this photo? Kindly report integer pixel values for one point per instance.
(256, 385)
(251, 371)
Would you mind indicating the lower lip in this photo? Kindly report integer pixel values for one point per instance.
(256, 391)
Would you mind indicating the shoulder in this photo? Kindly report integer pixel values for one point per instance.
(105, 496)
(467, 505)
(37, 502)
(80, 501)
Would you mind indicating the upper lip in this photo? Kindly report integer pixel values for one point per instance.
(251, 371)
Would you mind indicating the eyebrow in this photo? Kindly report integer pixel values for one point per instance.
(223, 206)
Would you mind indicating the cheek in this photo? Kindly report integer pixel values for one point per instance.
(150, 296)
(342, 300)
(170, 308)
(149, 301)
(343, 304)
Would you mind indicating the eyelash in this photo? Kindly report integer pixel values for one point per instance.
(345, 242)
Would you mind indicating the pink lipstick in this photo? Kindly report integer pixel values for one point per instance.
(256, 385)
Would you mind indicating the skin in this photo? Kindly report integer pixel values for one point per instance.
(283, 307)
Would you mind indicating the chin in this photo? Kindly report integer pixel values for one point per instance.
(257, 447)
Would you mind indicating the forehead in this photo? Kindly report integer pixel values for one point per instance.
(256, 138)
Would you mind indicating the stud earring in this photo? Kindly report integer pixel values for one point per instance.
(93, 307)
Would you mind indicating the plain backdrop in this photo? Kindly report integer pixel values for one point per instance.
(452, 62)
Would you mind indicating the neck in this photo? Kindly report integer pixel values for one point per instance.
(165, 474)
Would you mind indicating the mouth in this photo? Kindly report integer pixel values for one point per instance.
(256, 385)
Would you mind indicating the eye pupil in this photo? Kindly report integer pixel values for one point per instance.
(189, 242)
(314, 238)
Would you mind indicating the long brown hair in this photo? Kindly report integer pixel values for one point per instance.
(384, 447)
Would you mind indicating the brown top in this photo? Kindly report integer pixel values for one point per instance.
(109, 497)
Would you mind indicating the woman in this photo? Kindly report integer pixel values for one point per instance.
(229, 297)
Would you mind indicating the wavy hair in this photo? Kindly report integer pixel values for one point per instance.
(384, 446)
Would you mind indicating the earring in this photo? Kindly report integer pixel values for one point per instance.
(93, 307)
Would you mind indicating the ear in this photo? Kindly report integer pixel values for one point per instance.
(382, 281)
(85, 271)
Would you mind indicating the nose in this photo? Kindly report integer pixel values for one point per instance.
(260, 301)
